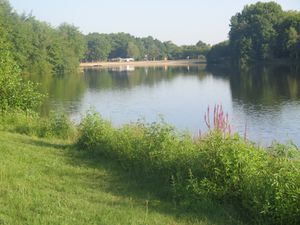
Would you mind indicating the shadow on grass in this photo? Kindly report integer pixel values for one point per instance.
(140, 191)
(45, 143)
(143, 192)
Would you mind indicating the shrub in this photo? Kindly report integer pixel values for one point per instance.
(57, 125)
(218, 166)
(14, 92)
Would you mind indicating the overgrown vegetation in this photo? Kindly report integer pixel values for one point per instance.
(56, 125)
(14, 92)
(218, 166)
(261, 32)
(48, 182)
(215, 170)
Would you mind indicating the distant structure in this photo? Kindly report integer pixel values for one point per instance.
(119, 59)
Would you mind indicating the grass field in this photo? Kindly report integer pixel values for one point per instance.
(48, 182)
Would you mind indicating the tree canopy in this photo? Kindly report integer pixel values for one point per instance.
(14, 92)
(102, 47)
(38, 47)
(261, 32)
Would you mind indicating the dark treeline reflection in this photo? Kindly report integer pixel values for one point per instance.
(262, 85)
(65, 92)
(62, 91)
(129, 77)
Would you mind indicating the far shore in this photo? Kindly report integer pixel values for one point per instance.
(88, 65)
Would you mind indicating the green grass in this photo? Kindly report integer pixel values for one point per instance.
(49, 182)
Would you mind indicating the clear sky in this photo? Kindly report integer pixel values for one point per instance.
(181, 21)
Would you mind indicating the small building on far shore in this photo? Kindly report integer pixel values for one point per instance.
(119, 59)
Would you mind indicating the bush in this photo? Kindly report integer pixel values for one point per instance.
(14, 92)
(57, 125)
(218, 166)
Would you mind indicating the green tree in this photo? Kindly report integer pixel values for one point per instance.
(133, 50)
(288, 36)
(67, 48)
(14, 92)
(219, 53)
(172, 51)
(151, 49)
(98, 47)
(119, 44)
(293, 42)
(255, 26)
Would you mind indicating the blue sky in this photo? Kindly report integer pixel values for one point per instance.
(181, 21)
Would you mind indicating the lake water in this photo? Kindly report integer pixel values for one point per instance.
(267, 99)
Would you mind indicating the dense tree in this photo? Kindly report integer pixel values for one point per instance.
(102, 47)
(98, 47)
(194, 51)
(72, 47)
(261, 32)
(152, 51)
(14, 92)
(133, 50)
(119, 44)
(172, 51)
(219, 53)
(288, 42)
(36, 46)
(253, 35)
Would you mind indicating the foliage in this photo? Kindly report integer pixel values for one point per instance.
(219, 53)
(14, 92)
(48, 182)
(132, 50)
(261, 32)
(218, 167)
(37, 47)
(102, 47)
(253, 31)
(98, 47)
(56, 125)
(288, 40)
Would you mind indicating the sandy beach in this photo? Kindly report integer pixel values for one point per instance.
(95, 65)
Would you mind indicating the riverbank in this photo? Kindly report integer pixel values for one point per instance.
(175, 168)
(88, 65)
(47, 181)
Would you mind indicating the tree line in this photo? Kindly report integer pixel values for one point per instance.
(261, 32)
(102, 47)
(38, 47)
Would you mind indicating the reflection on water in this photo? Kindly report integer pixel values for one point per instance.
(267, 99)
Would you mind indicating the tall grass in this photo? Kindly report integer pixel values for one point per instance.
(57, 125)
(219, 167)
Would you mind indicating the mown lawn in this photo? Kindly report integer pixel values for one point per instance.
(49, 182)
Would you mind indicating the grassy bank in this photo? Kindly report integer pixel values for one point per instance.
(46, 181)
(218, 167)
(142, 174)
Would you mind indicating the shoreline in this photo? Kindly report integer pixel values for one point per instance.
(96, 65)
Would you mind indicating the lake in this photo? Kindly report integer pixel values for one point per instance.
(265, 100)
